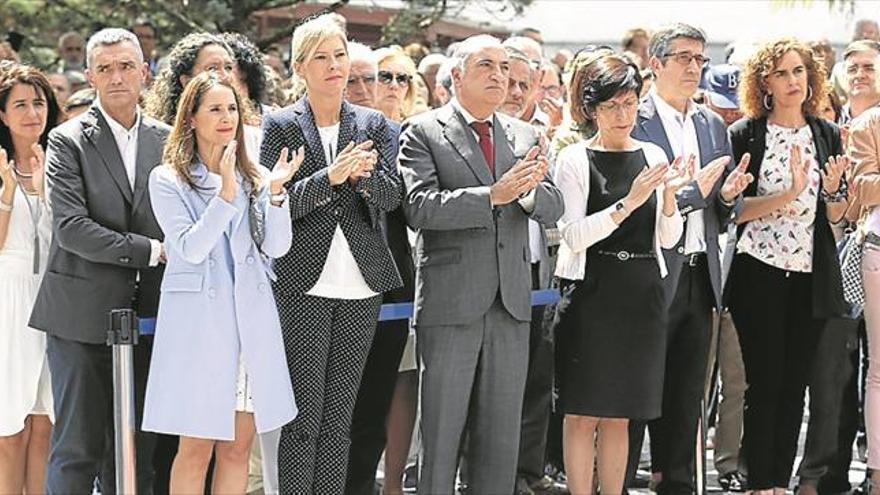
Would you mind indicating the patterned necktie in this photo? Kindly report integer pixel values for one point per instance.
(484, 131)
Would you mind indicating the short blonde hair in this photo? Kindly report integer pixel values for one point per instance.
(310, 34)
(306, 38)
(396, 54)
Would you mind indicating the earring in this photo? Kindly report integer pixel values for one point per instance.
(809, 93)
(767, 106)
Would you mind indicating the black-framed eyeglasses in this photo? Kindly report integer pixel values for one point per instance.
(368, 79)
(385, 77)
(685, 58)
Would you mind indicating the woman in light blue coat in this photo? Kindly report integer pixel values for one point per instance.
(218, 372)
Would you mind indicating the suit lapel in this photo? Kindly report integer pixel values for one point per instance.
(149, 153)
(459, 135)
(704, 139)
(348, 129)
(312, 139)
(98, 132)
(502, 138)
(652, 126)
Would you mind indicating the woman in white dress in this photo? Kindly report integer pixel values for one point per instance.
(28, 110)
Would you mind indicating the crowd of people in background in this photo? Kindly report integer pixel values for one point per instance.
(710, 228)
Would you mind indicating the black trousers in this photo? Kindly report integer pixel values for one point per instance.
(538, 394)
(828, 379)
(772, 310)
(368, 431)
(82, 446)
(674, 434)
(327, 342)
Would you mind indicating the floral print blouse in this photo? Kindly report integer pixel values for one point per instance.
(784, 238)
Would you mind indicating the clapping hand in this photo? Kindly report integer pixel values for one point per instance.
(678, 175)
(7, 174)
(800, 173)
(520, 179)
(38, 162)
(285, 169)
(349, 161)
(737, 181)
(708, 176)
(833, 173)
(229, 184)
(644, 185)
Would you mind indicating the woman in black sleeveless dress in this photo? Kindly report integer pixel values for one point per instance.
(620, 210)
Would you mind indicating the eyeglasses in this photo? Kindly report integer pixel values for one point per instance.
(368, 79)
(385, 77)
(614, 106)
(685, 58)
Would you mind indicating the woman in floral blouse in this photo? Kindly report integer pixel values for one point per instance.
(785, 279)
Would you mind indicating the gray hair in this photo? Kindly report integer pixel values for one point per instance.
(529, 47)
(472, 45)
(431, 59)
(444, 74)
(359, 52)
(112, 36)
(660, 41)
(857, 29)
(69, 35)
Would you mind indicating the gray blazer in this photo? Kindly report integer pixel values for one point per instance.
(101, 229)
(713, 143)
(467, 252)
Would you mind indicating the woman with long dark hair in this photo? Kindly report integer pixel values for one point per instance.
(28, 111)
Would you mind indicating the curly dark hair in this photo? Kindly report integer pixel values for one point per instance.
(15, 74)
(753, 81)
(249, 59)
(161, 101)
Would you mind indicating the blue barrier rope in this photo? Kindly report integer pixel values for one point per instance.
(403, 311)
(388, 312)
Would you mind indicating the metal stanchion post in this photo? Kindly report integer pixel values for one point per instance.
(122, 335)
(700, 453)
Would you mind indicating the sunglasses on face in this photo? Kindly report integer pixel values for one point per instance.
(385, 77)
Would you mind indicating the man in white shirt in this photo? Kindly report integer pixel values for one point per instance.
(106, 254)
(670, 119)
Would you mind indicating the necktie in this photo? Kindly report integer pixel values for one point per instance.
(484, 131)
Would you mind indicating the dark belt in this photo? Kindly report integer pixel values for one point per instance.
(627, 256)
(693, 259)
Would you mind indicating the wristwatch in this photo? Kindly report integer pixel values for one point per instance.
(621, 208)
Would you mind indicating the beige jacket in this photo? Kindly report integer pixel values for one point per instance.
(863, 149)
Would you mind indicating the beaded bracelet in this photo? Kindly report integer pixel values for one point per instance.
(841, 194)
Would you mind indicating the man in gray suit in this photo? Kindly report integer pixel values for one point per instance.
(105, 254)
(473, 179)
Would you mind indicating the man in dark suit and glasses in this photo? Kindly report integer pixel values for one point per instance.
(473, 179)
(106, 254)
(670, 119)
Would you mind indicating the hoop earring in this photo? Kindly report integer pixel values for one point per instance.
(767, 106)
(809, 93)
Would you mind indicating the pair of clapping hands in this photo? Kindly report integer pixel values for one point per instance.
(521, 179)
(354, 162)
(683, 171)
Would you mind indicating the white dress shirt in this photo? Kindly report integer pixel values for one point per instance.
(127, 144)
(682, 136)
(579, 231)
(341, 277)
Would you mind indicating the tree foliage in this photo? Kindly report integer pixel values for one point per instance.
(43, 21)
